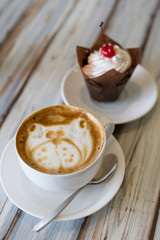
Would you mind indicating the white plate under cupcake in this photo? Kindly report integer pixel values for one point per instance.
(39, 203)
(136, 100)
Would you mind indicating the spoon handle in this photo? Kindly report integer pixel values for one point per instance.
(46, 220)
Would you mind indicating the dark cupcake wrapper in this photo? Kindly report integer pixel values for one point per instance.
(108, 86)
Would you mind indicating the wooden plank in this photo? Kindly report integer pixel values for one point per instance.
(3, 5)
(61, 230)
(131, 21)
(7, 217)
(157, 231)
(26, 44)
(10, 13)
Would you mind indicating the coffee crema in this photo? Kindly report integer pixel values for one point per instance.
(59, 139)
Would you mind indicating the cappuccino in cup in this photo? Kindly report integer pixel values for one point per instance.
(62, 147)
(59, 140)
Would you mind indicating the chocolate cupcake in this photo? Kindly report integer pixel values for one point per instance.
(107, 67)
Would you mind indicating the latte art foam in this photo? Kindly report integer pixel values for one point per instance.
(59, 140)
(62, 146)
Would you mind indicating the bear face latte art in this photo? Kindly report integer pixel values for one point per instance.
(59, 140)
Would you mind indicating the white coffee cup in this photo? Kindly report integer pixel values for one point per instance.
(76, 179)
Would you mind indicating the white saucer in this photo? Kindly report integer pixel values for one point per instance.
(38, 202)
(137, 99)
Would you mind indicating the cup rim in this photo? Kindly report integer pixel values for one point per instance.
(65, 174)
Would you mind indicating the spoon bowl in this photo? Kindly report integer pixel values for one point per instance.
(108, 167)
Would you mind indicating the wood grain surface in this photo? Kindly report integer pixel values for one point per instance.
(37, 47)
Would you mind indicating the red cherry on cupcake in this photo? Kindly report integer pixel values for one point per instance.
(108, 51)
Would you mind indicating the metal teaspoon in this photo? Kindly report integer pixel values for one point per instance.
(108, 167)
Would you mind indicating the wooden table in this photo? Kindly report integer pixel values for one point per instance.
(38, 40)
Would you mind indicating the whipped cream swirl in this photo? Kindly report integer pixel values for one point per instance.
(99, 64)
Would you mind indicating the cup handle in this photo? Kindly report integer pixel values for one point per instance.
(108, 126)
(109, 129)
